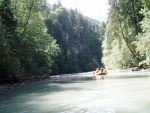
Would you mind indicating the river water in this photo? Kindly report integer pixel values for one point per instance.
(119, 93)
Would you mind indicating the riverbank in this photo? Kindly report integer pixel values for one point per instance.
(10, 83)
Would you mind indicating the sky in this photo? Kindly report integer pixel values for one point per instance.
(95, 9)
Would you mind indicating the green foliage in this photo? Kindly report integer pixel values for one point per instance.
(143, 39)
(26, 48)
(33, 40)
(79, 39)
(10, 68)
(36, 40)
(9, 64)
(127, 35)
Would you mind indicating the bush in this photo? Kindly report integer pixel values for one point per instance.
(10, 68)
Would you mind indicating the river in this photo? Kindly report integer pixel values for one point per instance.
(125, 92)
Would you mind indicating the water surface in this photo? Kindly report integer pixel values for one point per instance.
(120, 93)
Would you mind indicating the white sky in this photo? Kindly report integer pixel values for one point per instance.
(96, 9)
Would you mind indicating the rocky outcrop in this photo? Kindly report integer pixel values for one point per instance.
(136, 69)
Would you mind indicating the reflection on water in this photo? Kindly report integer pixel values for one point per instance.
(120, 93)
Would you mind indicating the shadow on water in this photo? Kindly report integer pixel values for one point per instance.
(38, 88)
(31, 97)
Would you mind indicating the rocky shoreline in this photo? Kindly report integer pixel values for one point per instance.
(10, 83)
(136, 69)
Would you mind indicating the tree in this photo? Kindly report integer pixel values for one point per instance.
(26, 47)
(9, 63)
(76, 39)
(125, 17)
(143, 38)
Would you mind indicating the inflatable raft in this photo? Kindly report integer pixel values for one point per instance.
(100, 76)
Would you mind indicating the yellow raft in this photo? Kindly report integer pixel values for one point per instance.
(100, 76)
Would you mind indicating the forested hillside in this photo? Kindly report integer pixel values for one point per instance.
(127, 38)
(78, 37)
(36, 39)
